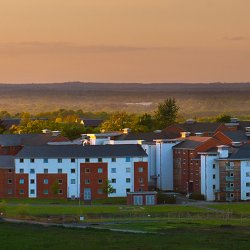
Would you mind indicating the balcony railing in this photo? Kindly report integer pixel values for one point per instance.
(229, 168)
(231, 189)
(229, 178)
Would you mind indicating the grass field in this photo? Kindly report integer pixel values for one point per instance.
(24, 237)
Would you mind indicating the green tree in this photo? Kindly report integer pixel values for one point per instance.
(223, 118)
(117, 122)
(166, 113)
(108, 188)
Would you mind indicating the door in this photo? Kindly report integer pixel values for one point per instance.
(150, 200)
(87, 194)
(138, 200)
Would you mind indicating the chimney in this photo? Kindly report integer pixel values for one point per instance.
(185, 134)
(126, 130)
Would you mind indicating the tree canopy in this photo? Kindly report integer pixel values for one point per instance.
(166, 113)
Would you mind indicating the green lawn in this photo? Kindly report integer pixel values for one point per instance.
(235, 208)
(24, 237)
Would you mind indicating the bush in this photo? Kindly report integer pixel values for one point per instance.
(163, 198)
(197, 196)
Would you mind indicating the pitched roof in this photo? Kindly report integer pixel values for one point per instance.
(241, 153)
(26, 139)
(7, 161)
(236, 136)
(88, 151)
(92, 122)
(192, 142)
(149, 136)
(8, 123)
(199, 127)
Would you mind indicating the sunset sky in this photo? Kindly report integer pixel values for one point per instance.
(124, 40)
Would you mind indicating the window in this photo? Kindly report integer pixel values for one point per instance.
(127, 190)
(21, 181)
(32, 171)
(32, 160)
(59, 160)
(100, 181)
(128, 170)
(99, 159)
(73, 160)
(140, 189)
(100, 191)
(32, 191)
(87, 181)
(32, 181)
(59, 170)
(9, 191)
(231, 195)
(141, 180)
(213, 176)
(73, 181)
(127, 180)
(247, 174)
(21, 160)
(213, 166)
(248, 184)
(113, 159)
(60, 181)
(10, 170)
(21, 171)
(9, 181)
(60, 191)
(140, 169)
(72, 170)
(45, 181)
(231, 185)
(114, 190)
(87, 160)
(231, 174)
(127, 159)
(21, 191)
(113, 170)
(213, 187)
(248, 194)
(87, 170)
(45, 191)
(99, 170)
(45, 171)
(45, 160)
(113, 180)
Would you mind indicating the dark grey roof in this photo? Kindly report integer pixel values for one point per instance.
(92, 122)
(236, 136)
(7, 161)
(149, 136)
(88, 151)
(199, 127)
(241, 153)
(243, 124)
(8, 123)
(25, 139)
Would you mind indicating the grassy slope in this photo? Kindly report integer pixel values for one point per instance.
(24, 237)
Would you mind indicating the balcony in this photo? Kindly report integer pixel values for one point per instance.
(229, 178)
(229, 168)
(230, 189)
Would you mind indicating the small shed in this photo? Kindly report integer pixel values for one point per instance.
(142, 198)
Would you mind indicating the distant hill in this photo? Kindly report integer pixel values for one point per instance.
(194, 99)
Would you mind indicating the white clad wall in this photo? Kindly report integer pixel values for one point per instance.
(164, 164)
(210, 177)
(121, 174)
(245, 180)
(150, 149)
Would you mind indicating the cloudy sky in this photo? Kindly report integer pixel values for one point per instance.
(124, 40)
